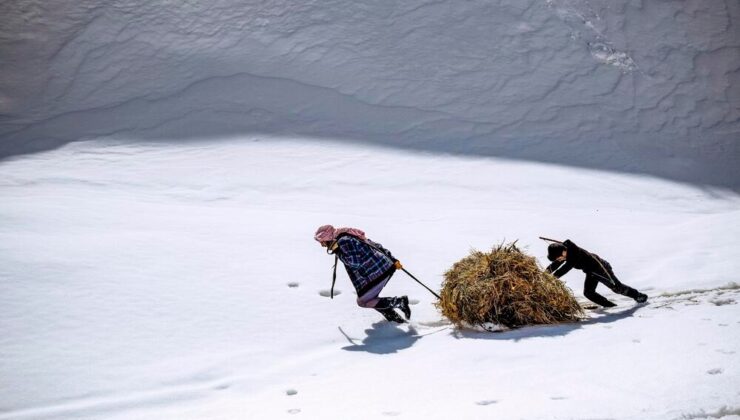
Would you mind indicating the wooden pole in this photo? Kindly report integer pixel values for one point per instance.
(550, 240)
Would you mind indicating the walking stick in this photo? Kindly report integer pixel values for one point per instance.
(550, 240)
(385, 252)
(425, 286)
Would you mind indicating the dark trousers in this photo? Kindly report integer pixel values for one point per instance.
(607, 277)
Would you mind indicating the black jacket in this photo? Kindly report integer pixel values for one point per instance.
(580, 259)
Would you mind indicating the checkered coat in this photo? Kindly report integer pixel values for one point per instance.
(367, 263)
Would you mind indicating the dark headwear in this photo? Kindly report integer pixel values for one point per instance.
(554, 251)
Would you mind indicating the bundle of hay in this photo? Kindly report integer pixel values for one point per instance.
(505, 287)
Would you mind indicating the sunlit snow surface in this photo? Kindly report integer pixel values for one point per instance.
(181, 281)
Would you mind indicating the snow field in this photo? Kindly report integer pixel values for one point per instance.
(181, 281)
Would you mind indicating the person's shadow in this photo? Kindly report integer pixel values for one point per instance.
(383, 338)
(548, 330)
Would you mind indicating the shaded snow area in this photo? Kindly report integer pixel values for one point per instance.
(181, 281)
(635, 86)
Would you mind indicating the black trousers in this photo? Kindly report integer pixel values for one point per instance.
(607, 277)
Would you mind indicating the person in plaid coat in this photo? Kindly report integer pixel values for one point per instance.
(369, 266)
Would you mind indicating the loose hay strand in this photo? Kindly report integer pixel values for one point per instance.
(506, 287)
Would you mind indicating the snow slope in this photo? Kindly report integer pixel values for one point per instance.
(152, 281)
(638, 86)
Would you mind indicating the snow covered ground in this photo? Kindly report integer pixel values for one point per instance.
(177, 281)
(151, 271)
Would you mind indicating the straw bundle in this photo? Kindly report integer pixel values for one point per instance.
(506, 287)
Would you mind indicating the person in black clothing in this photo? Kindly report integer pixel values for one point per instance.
(567, 255)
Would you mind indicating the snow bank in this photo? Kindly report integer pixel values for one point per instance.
(647, 87)
(129, 291)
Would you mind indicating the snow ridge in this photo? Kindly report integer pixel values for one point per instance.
(642, 87)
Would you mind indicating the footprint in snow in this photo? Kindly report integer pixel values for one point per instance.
(636, 341)
(291, 392)
(327, 293)
(413, 301)
(716, 371)
(391, 413)
(486, 402)
(293, 284)
(294, 410)
(722, 302)
(558, 398)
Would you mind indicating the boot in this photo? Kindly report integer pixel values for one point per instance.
(598, 299)
(405, 308)
(634, 294)
(391, 315)
(396, 302)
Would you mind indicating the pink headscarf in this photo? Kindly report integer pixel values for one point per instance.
(328, 233)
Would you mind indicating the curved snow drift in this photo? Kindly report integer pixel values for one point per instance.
(648, 87)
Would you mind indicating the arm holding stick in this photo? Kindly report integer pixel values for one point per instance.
(550, 240)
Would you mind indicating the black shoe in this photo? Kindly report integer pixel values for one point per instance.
(641, 298)
(391, 315)
(405, 307)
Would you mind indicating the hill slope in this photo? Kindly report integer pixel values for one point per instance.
(648, 87)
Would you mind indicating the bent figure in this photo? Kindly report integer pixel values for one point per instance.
(369, 266)
(568, 255)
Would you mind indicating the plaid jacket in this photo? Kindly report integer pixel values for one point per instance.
(365, 266)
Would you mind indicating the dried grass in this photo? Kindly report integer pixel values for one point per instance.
(506, 287)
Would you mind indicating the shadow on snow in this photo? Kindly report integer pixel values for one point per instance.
(539, 331)
(383, 338)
